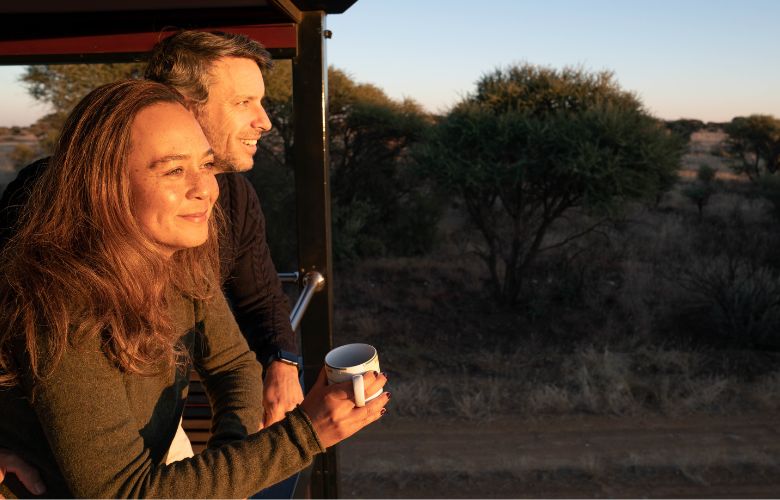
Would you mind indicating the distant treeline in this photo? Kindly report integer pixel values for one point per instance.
(686, 126)
(528, 147)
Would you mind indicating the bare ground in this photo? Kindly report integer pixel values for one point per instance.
(565, 457)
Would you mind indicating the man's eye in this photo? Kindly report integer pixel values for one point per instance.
(209, 165)
(175, 171)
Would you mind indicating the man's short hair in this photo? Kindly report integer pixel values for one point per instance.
(183, 60)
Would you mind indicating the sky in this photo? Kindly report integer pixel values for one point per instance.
(711, 60)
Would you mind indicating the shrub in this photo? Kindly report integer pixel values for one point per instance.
(769, 187)
(684, 127)
(379, 205)
(754, 145)
(700, 191)
(531, 146)
(735, 298)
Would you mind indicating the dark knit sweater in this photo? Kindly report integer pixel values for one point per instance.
(94, 431)
(251, 283)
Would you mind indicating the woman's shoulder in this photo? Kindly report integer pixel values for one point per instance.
(187, 311)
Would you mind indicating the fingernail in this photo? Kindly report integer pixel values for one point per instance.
(389, 395)
(38, 489)
(384, 410)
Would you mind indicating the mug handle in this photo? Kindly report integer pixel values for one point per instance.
(360, 389)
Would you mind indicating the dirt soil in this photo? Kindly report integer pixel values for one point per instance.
(565, 457)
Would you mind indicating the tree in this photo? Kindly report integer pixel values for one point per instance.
(685, 127)
(530, 145)
(62, 86)
(754, 145)
(379, 206)
(700, 191)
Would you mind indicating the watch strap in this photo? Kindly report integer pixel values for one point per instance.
(287, 357)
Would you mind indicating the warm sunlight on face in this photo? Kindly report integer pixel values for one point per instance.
(233, 118)
(172, 181)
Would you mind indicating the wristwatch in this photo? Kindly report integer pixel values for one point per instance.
(285, 357)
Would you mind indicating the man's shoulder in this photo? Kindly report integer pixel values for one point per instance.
(16, 195)
(29, 174)
(236, 195)
(233, 182)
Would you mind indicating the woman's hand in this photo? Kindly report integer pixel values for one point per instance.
(332, 410)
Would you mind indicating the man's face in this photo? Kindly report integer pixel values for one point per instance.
(233, 117)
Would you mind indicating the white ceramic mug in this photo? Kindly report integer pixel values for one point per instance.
(350, 362)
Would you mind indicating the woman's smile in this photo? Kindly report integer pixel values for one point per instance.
(196, 217)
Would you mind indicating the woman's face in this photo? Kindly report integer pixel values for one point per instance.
(172, 182)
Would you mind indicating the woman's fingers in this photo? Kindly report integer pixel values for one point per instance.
(341, 390)
(374, 382)
(332, 410)
(375, 408)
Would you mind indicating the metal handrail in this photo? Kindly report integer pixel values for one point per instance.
(312, 282)
(289, 277)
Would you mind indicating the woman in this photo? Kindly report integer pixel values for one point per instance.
(110, 290)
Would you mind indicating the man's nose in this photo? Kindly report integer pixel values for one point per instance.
(261, 120)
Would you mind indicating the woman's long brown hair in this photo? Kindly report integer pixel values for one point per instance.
(80, 265)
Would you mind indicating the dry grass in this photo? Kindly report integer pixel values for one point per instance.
(607, 329)
(765, 392)
(606, 326)
(704, 149)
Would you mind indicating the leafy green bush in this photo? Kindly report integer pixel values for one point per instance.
(754, 145)
(684, 127)
(380, 206)
(699, 192)
(733, 298)
(530, 145)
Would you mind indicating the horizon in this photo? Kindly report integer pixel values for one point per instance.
(709, 61)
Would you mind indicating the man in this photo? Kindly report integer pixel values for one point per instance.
(220, 76)
(221, 79)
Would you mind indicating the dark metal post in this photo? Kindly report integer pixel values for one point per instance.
(312, 186)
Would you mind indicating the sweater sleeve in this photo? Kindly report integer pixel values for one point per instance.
(87, 417)
(231, 375)
(252, 285)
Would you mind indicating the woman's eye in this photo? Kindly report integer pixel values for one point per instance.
(209, 165)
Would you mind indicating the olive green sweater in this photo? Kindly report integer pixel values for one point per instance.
(95, 431)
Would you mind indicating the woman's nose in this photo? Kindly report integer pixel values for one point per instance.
(203, 185)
